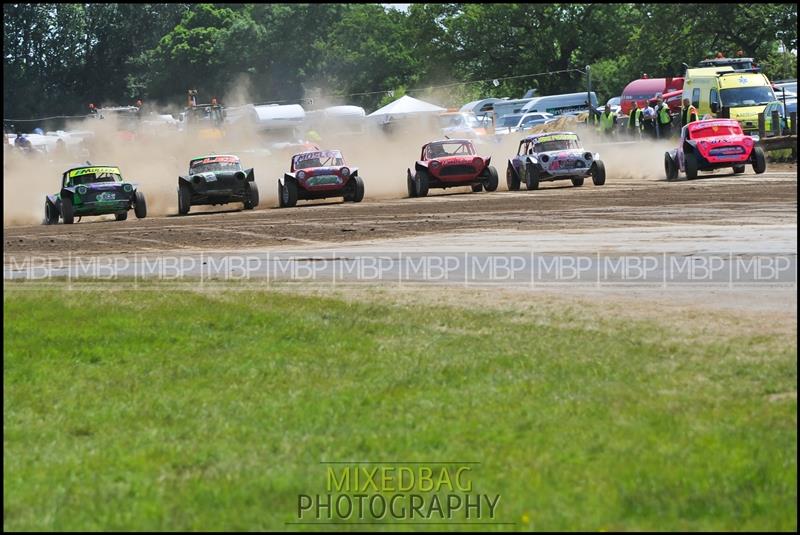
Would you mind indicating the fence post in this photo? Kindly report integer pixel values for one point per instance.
(776, 123)
(793, 126)
(761, 127)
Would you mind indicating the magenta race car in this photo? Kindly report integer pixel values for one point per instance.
(319, 174)
(450, 163)
(713, 144)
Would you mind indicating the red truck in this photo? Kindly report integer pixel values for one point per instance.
(647, 88)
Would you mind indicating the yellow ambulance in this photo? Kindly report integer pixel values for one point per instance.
(723, 92)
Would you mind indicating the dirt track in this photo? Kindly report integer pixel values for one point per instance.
(717, 199)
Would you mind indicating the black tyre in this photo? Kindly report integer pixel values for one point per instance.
(598, 173)
(760, 162)
(121, 216)
(411, 185)
(492, 180)
(577, 182)
(184, 198)
(690, 161)
(531, 177)
(280, 195)
(738, 169)
(139, 206)
(670, 167)
(50, 214)
(422, 182)
(477, 188)
(251, 194)
(67, 211)
(289, 193)
(512, 179)
(358, 192)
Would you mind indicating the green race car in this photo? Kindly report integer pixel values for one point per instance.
(93, 190)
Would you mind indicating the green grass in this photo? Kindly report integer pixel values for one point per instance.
(176, 410)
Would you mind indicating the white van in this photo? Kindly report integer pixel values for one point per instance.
(560, 104)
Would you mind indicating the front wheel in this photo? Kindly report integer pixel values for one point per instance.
(760, 162)
(477, 188)
(738, 169)
(690, 162)
(251, 196)
(50, 214)
(598, 173)
(411, 185)
(422, 182)
(121, 216)
(358, 191)
(492, 179)
(67, 211)
(139, 206)
(670, 167)
(289, 194)
(531, 177)
(577, 182)
(512, 179)
(184, 199)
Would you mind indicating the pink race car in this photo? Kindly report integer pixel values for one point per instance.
(450, 163)
(713, 144)
(319, 174)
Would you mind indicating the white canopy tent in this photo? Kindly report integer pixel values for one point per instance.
(405, 107)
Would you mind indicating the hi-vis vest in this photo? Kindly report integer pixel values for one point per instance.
(635, 119)
(689, 115)
(663, 114)
(606, 121)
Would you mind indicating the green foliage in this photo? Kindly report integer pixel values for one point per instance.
(59, 57)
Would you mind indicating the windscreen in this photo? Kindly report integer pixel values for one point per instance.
(738, 97)
(213, 164)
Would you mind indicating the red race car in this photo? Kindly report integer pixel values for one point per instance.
(713, 144)
(450, 163)
(319, 174)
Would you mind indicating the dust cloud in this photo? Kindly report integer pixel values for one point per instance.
(155, 157)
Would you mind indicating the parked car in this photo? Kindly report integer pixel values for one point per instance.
(450, 163)
(524, 122)
(713, 144)
(552, 156)
(90, 190)
(319, 174)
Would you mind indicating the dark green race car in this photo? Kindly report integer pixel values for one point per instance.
(93, 190)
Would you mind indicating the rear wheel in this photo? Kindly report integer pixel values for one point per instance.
(251, 194)
(577, 182)
(67, 211)
(121, 216)
(50, 214)
(760, 162)
(690, 161)
(670, 167)
(184, 199)
(531, 177)
(139, 206)
(422, 182)
(512, 179)
(289, 193)
(411, 185)
(598, 173)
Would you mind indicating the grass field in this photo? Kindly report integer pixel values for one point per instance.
(171, 410)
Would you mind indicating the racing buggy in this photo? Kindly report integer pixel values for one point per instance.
(93, 190)
(545, 157)
(713, 144)
(450, 163)
(319, 174)
(216, 179)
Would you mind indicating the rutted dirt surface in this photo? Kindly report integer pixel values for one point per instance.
(720, 198)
